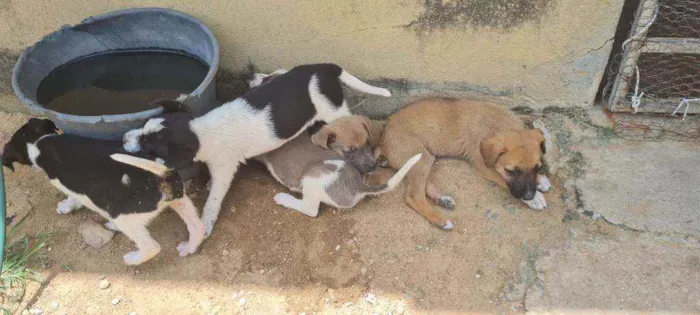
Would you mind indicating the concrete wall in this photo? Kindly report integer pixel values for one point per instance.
(535, 53)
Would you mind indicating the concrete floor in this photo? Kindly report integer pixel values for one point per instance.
(621, 236)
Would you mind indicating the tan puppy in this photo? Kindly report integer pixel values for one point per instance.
(493, 140)
(328, 166)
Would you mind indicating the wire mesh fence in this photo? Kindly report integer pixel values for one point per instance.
(658, 67)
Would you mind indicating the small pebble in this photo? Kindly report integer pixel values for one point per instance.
(399, 309)
(116, 301)
(262, 270)
(55, 305)
(371, 299)
(241, 302)
(36, 311)
(132, 313)
(104, 284)
(363, 270)
(337, 248)
(225, 252)
(137, 271)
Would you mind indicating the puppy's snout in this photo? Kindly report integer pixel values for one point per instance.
(523, 189)
(529, 194)
(367, 168)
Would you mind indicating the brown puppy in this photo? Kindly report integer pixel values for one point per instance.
(493, 140)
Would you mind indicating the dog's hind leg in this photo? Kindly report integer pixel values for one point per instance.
(308, 205)
(221, 177)
(416, 192)
(134, 227)
(187, 211)
(440, 199)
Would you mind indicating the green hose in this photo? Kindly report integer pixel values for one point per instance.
(2, 215)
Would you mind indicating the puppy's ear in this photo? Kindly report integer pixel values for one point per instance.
(491, 149)
(368, 127)
(539, 137)
(9, 156)
(324, 138)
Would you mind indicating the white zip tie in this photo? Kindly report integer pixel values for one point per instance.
(636, 98)
(686, 102)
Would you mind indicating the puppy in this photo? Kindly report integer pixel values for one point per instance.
(258, 122)
(493, 140)
(128, 191)
(328, 166)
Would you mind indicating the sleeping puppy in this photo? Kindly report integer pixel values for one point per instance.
(328, 166)
(258, 122)
(493, 140)
(128, 191)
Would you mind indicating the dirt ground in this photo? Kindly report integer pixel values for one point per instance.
(380, 257)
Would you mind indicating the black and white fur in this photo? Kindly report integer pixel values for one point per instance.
(127, 190)
(259, 121)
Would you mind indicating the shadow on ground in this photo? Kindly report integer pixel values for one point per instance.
(381, 256)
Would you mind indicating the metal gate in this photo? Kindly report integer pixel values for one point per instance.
(658, 67)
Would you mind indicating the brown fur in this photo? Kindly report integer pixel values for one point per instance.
(491, 139)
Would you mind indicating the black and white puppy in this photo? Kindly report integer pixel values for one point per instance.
(258, 122)
(127, 190)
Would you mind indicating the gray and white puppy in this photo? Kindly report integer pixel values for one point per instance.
(328, 166)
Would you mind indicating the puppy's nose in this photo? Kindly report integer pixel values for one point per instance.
(529, 194)
(373, 166)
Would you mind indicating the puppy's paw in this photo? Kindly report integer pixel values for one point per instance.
(134, 258)
(446, 202)
(67, 205)
(111, 226)
(285, 200)
(185, 249)
(537, 203)
(543, 184)
(448, 226)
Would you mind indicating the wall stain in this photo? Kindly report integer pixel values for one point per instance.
(494, 14)
(8, 59)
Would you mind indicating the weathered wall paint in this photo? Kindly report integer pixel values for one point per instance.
(534, 53)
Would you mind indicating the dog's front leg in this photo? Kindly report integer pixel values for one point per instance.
(221, 177)
(68, 205)
(188, 213)
(543, 183)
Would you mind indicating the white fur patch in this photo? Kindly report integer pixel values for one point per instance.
(131, 138)
(33, 153)
(68, 205)
(543, 184)
(126, 180)
(324, 107)
(337, 163)
(537, 203)
(257, 80)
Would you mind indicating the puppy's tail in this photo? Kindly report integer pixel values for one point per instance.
(396, 179)
(144, 164)
(358, 85)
